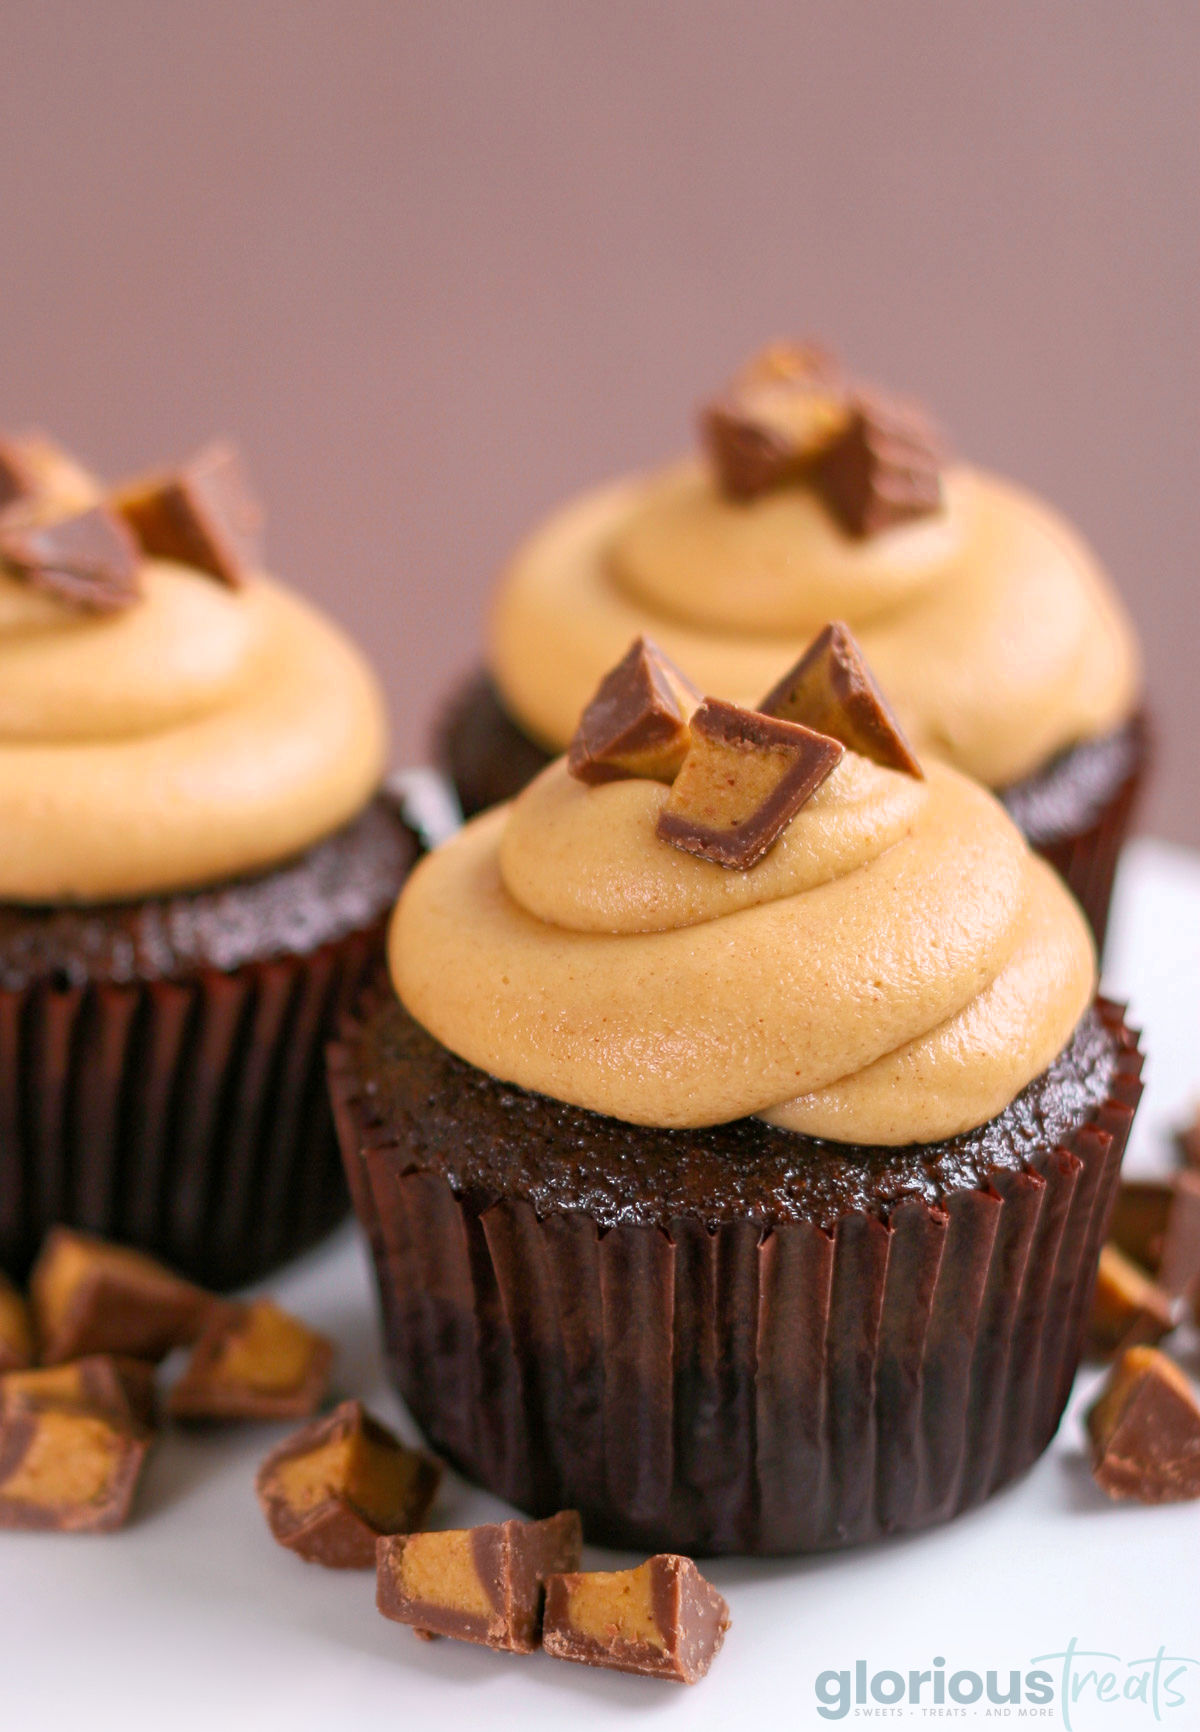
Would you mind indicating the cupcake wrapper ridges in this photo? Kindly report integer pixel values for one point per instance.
(186, 1117)
(748, 1389)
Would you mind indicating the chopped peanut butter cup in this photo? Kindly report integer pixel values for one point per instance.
(1179, 1269)
(483, 1584)
(1139, 1220)
(745, 777)
(882, 470)
(1145, 1431)
(781, 411)
(103, 1382)
(1189, 1141)
(663, 1619)
(87, 558)
(832, 690)
(1128, 1309)
(16, 1329)
(68, 1468)
(18, 478)
(637, 723)
(201, 514)
(91, 1297)
(253, 1362)
(333, 1489)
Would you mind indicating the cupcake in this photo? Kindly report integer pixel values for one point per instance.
(195, 866)
(988, 620)
(737, 1127)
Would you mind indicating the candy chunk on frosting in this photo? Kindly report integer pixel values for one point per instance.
(895, 970)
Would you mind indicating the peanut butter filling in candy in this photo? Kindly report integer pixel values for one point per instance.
(253, 1361)
(1145, 1431)
(882, 470)
(67, 1468)
(202, 514)
(483, 1584)
(87, 557)
(779, 413)
(330, 1491)
(103, 1382)
(637, 723)
(16, 1329)
(1128, 1308)
(90, 1297)
(832, 690)
(662, 1619)
(745, 777)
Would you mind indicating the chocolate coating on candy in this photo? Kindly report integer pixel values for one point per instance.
(103, 1382)
(1128, 1308)
(832, 690)
(1189, 1141)
(68, 1469)
(637, 723)
(744, 778)
(1145, 1431)
(91, 1297)
(662, 1619)
(1179, 1270)
(1139, 1220)
(779, 413)
(332, 1489)
(481, 1584)
(253, 1362)
(882, 470)
(202, 514)
(87, 558)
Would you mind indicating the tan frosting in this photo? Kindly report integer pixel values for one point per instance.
(896, 969)
(203, 733)
(990, 626)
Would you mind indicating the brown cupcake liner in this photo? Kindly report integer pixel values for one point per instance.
(747, 1389)
(1087, 859)
(188, 1117)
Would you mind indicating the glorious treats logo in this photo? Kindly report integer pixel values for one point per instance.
(1077, 1687)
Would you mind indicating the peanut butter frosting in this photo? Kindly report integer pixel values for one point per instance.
(203, 733)
(895, 970)
(989, 622)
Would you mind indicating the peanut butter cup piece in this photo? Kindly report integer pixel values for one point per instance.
(333, 1489)
(86, 558)
(1139, 1220)
(92, 1297)
(16, 1329)
(202, 514)
(662, 1619)
(1128, 1308)
(68, 1468)
(1145, 1431)
(883, 469)
(832, 690)
(779, 413)
(103, 1382)
(1189, 1141)
(1179, 1268)
(483, 1584)
(253, 1361)
(637, 723)
(745, 777)
(18, 477)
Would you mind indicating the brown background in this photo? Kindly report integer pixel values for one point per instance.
(436, 264)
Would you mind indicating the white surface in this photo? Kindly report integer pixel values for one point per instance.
(193, 1617)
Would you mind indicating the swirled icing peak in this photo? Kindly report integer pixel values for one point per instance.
(895, 969)
(997, 637)
(202, 732)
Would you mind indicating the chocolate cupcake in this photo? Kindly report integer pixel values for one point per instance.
(737, 1131)
(195, 865)
(988, 619)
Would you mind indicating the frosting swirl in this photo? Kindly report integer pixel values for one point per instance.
(203, 733)
(896, 970)
(989, 623)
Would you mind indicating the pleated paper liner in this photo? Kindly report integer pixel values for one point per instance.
(187, 1117)
(748, 1389)
(1086, 858)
